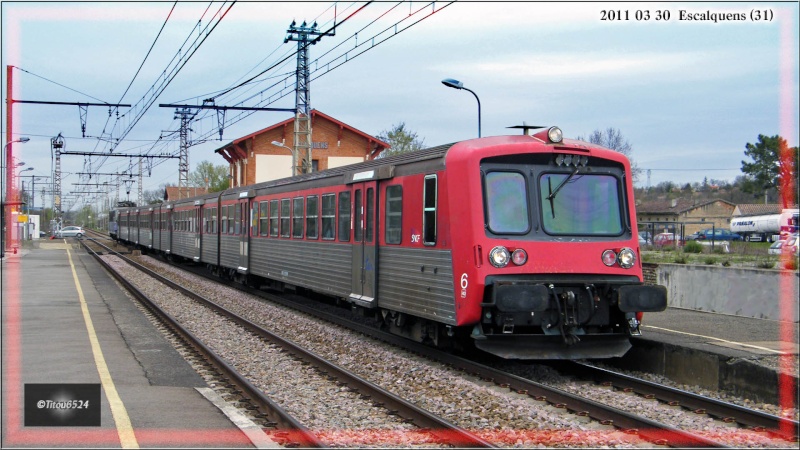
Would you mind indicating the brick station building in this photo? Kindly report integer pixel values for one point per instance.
(254, 159)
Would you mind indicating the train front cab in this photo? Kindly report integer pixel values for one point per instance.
(547, 260)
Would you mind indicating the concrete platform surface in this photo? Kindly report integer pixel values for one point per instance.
(66, 322)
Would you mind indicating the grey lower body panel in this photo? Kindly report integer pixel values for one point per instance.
(321, 266)
(417, 281)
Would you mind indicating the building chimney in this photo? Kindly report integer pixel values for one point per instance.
(674, 202)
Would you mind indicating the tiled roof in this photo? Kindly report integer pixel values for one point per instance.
(675, 206)
(757, 209)
(172, 192)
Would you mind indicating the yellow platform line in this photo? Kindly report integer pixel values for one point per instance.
(121, 419)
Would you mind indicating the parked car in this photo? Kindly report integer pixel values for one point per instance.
(645, 238)
(719, 234)
(70, 231)
(664, 239)
(791, 245)
(775, 248)
(693, 236)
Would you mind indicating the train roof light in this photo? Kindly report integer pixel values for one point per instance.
(555, 135)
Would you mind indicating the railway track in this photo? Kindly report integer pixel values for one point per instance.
(726, 412)
(648, 430)
(438, 429)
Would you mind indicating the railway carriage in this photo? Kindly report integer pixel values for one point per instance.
(185, 233)
(523, 246)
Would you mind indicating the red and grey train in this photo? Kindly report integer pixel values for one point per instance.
(522, 246)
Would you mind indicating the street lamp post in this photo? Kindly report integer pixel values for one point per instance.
(7, 154)
(455, 84)
(18, 199)
(294, 155)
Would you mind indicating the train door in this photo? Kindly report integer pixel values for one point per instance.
(197, 219)
(244, 221)
(169, 227)
(365, 248)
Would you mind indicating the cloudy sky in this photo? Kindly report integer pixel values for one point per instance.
(687, 94)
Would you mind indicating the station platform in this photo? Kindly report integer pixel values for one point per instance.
(741, 355)
(69, 331)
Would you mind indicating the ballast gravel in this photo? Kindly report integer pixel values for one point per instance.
(496, 414)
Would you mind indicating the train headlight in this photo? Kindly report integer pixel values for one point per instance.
(519, 257)
(555, 135)
(499, 256)
(626, 258)
(609, 257)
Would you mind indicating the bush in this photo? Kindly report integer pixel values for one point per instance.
(765, 264)
(710, 260)
(693, 247)
(681, 259)
(726, 263)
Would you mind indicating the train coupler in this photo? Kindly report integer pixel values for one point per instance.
(633, 324)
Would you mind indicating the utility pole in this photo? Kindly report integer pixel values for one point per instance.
(304, 36)
(57, 146)
(185, 115)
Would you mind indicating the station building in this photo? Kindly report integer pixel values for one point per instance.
(255, 159)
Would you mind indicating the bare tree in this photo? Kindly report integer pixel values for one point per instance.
(612, 138)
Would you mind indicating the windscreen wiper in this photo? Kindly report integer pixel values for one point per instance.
(558, 188)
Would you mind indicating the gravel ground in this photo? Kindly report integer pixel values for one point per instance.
(492, 412)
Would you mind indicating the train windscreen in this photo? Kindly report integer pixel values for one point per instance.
(580, 204)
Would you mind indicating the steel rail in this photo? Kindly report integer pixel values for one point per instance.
(647, 429)
(298, 432)
(435, 425)
(782, 427)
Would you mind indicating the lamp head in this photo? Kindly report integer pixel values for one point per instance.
(455, 84)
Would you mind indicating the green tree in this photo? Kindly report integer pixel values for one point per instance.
(215, 178)
(774, 166)
(400, 140)
(612, 138)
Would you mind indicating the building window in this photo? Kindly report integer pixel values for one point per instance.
(394, 214)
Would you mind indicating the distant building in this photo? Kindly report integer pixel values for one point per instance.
(254, 159)
(670, 214)
(757, 209)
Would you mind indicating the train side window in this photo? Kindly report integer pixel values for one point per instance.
(394, 214)
(231, 219)
(237, 219)
(263, 219)
(358, 231)
(297, 217)
(273, 218)
(328, 216)
(370, 219)
(429, 211)
(286, 209)
(214, 220)
(312, 217)
(344, 216)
